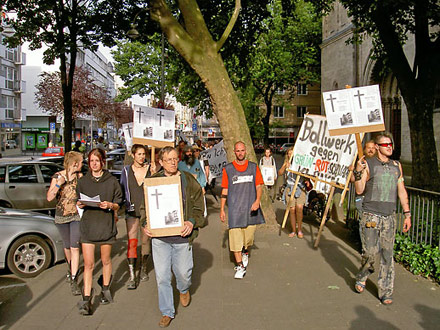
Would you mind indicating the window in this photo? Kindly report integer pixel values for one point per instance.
(9, 54)
(300, 111)
(47, 171)
(22, 174)
(302, 89)
(9, 103)
(280, 91)
(11, 76)
(278, 112)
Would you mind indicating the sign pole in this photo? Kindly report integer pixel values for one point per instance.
(324, 216)
(153, 156)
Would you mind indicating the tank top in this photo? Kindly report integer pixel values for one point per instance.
(381, 189)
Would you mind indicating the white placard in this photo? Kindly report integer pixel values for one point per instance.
(128, 135)
(216, 157)
(164, 206)
(268, 174)
(153, 124)
(354, 110)
(320, 155)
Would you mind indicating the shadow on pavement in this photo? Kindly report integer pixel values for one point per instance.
(15, 296)
(366, 319)
(430, 317)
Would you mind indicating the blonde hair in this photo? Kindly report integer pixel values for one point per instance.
(71, 157)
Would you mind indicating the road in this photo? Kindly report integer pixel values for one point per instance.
(289, 285)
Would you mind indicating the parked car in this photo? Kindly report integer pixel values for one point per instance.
(29, 242)
(115, 159)
(113, 145)
(23, 185)
(53, 151)
(285, 147)
(11, 144)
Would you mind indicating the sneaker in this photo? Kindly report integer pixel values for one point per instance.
(165, 321)
(240, 271)
(245, 259)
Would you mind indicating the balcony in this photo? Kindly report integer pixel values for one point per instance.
(19, 58)
(20, 86)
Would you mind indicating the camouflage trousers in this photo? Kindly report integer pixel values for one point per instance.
(377, 235)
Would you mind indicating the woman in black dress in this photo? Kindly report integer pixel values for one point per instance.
(98, 225)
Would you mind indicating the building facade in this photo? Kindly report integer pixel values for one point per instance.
(12, 86)
(44, 128)
(289, 108)
(343, 63)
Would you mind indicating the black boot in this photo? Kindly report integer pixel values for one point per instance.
(106, 295)
(85, 305)
(76, 291)
(144, 271)
(131, 283)
(69, 273)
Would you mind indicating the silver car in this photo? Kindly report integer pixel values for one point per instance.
(29, 242)
(23, 185)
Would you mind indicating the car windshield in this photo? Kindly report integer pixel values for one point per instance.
(52, 150)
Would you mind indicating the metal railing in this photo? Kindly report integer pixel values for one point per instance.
(425, 215)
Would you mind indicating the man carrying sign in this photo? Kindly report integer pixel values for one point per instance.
(175, 252)
(242, 186)
(380, 180)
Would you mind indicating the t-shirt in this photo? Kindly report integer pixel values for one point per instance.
(242, 168)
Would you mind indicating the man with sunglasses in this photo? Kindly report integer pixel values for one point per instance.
(380, 180)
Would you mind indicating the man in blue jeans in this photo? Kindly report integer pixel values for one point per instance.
(175, 252)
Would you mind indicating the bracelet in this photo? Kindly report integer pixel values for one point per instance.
(407, 212)
(357, 175)
(57, 185)
(224, 196)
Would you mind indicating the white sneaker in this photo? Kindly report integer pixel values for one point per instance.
(245, 259)
(240, 271)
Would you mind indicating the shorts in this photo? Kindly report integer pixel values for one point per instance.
(241, 237)
(69, 233)
(301, 200)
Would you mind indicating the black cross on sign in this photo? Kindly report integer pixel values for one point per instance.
(128, 130)
(359, 96)
(160, 117)
(331, 98)
(157, 198)
(140, 114)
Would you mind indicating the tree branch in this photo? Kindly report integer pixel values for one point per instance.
(231, 24)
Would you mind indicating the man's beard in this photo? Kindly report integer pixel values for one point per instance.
(189, 160)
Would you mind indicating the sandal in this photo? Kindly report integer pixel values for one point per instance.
(359, 287)
(292, 234)
(386, 300)
(300, 234)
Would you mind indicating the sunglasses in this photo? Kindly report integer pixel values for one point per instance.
(385, 145)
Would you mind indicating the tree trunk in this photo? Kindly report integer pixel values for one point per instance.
(265, 122)
(425, 173)
(196, 46)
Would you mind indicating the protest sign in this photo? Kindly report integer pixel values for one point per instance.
(317, 154)
(127, 129)
(153, 126)
(216, 157)
(354, 110)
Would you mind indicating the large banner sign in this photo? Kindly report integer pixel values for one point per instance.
(318, 154)
(216, 157)
(153, 126)
(354, 110)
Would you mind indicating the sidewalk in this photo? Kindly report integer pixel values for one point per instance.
(288, 285)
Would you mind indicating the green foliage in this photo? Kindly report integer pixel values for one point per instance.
(420, 259)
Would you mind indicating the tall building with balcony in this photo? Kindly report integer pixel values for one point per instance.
(42, 126)
(12, 86)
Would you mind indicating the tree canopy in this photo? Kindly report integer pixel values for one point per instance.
(64, 26)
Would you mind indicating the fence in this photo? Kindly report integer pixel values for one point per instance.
(425, 215)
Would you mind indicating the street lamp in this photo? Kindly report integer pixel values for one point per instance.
(133, 33)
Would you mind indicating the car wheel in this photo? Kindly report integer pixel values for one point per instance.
(28, 256)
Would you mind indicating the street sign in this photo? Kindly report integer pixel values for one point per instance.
(194, 127)
(52, 127)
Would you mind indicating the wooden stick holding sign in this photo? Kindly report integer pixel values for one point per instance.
(153, 156)
(324, 216)
(344, 192)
